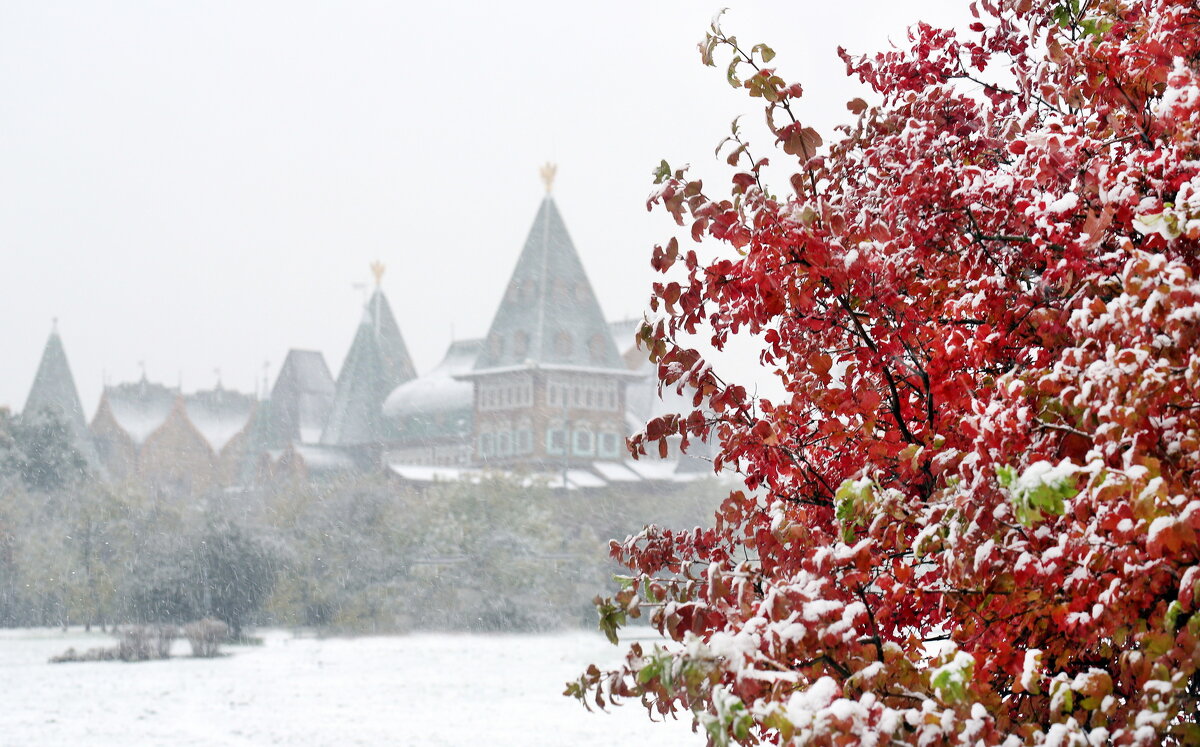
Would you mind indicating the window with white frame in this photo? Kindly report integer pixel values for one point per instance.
(583, 443)
(556, 440)
(609, 445)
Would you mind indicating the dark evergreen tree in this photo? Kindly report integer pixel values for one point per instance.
(37, 449)
(234, 574)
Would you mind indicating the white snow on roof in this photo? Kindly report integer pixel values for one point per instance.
(437, 391)
(426, 473)
(429, 394)
(217, 430)
(577, 478)
(140, 409)
(616, 472)
(323, 458)
(219, 415)
(654, 469)
(140, 425)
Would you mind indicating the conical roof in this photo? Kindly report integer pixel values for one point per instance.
(54, 390)
(377, 363)
(295, 413)
(549, 314)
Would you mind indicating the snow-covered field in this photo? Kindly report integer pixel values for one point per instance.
(408, 690)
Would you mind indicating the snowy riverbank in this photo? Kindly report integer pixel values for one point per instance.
(428, 689)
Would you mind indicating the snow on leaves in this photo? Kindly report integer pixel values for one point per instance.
(973, 518)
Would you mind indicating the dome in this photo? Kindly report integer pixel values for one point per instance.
(437, 404)
(427, 395)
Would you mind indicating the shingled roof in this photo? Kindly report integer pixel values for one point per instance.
(54, 391)
(549, 314)
(300, 401)
(377, 363)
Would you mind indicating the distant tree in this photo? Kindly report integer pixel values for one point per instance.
(11, 606)
(36, 448)
(161, 583)
(234, 572)
(222, 571)
(94, 519)
(972, 518)
(504, 558)
(368, 555)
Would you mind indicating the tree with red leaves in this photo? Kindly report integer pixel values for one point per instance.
(974, 515)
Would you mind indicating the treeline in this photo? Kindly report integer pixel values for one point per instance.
(361, 555)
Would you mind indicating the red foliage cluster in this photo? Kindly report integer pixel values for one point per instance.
(974, 517)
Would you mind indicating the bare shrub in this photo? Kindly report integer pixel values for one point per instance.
(206, 636)
(92, 654)
(136, 644)
(166, 635)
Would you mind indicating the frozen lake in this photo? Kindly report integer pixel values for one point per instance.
(426, 689)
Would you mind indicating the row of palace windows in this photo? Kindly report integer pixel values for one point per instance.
(594, 395)
(500, 395)
(506, 443)
(584, 443)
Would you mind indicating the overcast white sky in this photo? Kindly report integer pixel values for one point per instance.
(200, 185)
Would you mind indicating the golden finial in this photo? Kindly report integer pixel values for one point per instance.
(548, 171)
(377, 269)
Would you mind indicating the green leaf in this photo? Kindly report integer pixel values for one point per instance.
(1040, 490)
(662, 172)
(950, 681)
(648, 591)
(1171, 619)
(1096, 26)
(612, 618)
(649, 672)
(851, 501)
(731, 73)
(1062, 696)
(1062, 16)
(766, 53)
(1005, 475)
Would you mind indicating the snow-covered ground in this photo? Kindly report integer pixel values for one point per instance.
(406, 690)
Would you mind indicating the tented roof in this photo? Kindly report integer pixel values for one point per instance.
(549, 314)
(54, 390)
(377, 363)
(300, 401)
